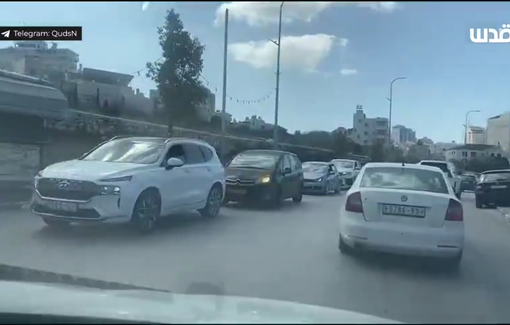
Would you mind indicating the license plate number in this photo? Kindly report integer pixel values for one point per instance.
(236, 191)
(61, 206)
(403, 210)
(498, 186)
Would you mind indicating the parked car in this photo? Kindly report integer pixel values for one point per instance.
(493, 188)
(132, 180)
(468, 182)
(264, 176)
(451, 173)
(404, 209)
(348, 170)
(320, 177)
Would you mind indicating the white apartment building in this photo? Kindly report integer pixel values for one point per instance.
(498, 131)
(475, 135)
(473, 151)
(256, 123)
(37, 59)
(367, 130)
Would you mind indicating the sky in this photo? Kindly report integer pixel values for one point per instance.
(334, 56)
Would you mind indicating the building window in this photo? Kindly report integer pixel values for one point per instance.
(366, 124)
(358, 136)
(473, 154)
(464, 154)
(359, 121)
(366, 133)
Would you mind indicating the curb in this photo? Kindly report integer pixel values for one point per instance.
(16, 273)
(14, 205)
(504, 214)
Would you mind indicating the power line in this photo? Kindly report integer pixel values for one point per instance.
(212, 87)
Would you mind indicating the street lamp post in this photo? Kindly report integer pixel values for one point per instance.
(391, 102)
(277, 90)
(466, 125)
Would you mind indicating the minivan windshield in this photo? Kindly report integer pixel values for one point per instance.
(343, 164)
(254, 160)
(440, 165)
(127, 151)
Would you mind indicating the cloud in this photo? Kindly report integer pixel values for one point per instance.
(145, 5)
(264, 13)
(304, 52)
(348, 72)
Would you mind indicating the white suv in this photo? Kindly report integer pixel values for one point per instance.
(131, 179)
(450, 172)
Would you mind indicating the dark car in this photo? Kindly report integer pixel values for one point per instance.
(468, 182)
(264, 175)
(493, 188)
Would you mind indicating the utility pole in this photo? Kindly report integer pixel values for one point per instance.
(277, 90)
(391, 102)
(224, 94)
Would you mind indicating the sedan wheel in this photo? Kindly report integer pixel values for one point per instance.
(146, 211)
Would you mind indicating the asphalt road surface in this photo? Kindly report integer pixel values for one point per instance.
(290, 254)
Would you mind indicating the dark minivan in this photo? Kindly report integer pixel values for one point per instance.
(264, 175)
(493, 188)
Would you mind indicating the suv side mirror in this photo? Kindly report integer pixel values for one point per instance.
(173, 162)
(287, 171)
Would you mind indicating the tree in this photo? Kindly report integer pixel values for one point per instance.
(178, 73)
(377, 153)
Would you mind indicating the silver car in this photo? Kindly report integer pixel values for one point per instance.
(320, 177)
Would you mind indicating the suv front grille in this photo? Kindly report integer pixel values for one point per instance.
(67, 189)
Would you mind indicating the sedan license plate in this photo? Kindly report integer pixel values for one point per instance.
(61, 206)
(403, 210)
(498, 186)
(236, 191)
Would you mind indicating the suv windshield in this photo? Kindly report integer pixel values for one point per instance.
(440, 165)
(252, 160)
(404, 179)
(127, 151)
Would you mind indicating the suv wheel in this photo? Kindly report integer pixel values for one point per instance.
(55, 223)
(214, 202)
(146, 211)
(478, 203)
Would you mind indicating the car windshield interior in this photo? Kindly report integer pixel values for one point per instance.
(494, 177)
(127, 151)
(344, 164)
(249, 160)
(404, 179)
(440, 165)
(315, 168)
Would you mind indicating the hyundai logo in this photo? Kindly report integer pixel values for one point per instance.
(63, 184)
(403, 198)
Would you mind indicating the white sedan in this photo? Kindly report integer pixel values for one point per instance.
(405, 209)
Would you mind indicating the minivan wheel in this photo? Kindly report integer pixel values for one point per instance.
(299, 197)
(214, 202)
(146, 211)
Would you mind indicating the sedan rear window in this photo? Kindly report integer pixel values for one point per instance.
(404, 179)
(495, 177)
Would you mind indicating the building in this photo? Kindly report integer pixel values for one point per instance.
(206, 110)
(400, 133)
(37, 59)
(498, 131)
(475, 135)
(90, 89)
(256, 123)
(367, 130)
(473, 151)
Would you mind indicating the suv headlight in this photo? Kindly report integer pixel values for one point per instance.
(109, 190)
(319, 179)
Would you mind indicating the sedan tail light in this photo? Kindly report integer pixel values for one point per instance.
(455, 211)
(354, 203)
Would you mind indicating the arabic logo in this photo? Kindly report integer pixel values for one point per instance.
(490, 35)
(403, 198)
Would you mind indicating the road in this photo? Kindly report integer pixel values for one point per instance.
(289, 254)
